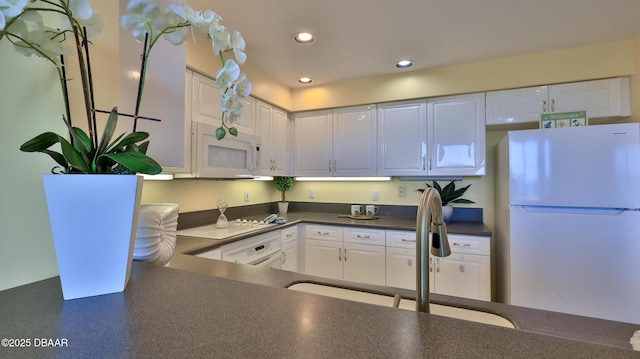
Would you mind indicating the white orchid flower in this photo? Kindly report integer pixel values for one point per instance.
(167, 23)
(93, 24)
(243, 86)
(229, 101)
(237, 44)
(81, 9)
(234, 115)
(139, 18)
(227, 74)
(220, 39)
(12, 8)
(198, 20)
(37, 40)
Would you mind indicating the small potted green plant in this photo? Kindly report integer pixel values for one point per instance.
(283, 184)
(449, 194)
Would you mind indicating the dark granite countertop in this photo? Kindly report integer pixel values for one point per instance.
(396, 223)
(525, 319)
(169, 313)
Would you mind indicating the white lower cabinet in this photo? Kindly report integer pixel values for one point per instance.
(465, 273)
(347, 253)
(401, 258)
(290, 258)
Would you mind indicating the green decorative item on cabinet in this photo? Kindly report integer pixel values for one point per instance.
(449, 194)
(283, 184)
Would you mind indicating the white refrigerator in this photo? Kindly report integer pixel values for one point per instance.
(567, 220)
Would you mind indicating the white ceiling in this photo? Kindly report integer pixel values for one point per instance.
(364, 38)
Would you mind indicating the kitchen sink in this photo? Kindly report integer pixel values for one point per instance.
(406, 304)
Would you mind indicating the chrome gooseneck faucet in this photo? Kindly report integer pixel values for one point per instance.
(429, 219)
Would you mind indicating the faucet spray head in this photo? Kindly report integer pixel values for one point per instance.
(439, 241)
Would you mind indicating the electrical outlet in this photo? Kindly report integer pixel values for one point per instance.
(401, 191)
(246, 196)
(375, 195)
(312, 193)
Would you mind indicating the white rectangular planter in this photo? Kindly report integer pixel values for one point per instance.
(93, 222)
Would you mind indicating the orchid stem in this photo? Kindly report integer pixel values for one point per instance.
(143, 70)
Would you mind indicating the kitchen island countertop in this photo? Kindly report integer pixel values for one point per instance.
(200, 307)
(170, 313)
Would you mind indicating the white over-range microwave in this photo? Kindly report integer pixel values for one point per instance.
(231, 157)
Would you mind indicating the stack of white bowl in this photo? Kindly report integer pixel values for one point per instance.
(156, 232)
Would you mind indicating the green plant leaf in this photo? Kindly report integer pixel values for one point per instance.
(76, 139)
(143, 147)
(108, 131)
(58, 157)
(132, 138)
(84, 139)
(75, 158)
(40, 142)
(136, 162)
(233, 131)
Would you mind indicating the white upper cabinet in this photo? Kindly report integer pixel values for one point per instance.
(456, 136)
(354, 141)
(205, 100)
(600, 98)
(273, 124)
(338, 142)
(313, 142)
(402, 138)
(516, 106)
(205, 105)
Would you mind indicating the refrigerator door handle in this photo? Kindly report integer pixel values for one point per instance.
(575, 210)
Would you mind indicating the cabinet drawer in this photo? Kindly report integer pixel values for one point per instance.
(364, 236)
(327, 233)
(289, 235)
(461, 243)
(401, 239)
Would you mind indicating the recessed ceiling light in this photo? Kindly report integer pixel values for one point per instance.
(403, 64)
(304, 38)
(305, 80)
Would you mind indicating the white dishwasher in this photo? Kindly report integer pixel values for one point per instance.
(262, 250)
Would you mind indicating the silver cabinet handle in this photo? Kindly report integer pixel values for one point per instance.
(430, 265)
(329, 165)
(544, 106)
(424, 164)
(345, 254)
(553, 105)
(461, 245)
(363, 237)
(339, 254)
(334, 166)
(408, 240)
(437, 265)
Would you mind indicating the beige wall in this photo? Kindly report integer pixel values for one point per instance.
(31, 104)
